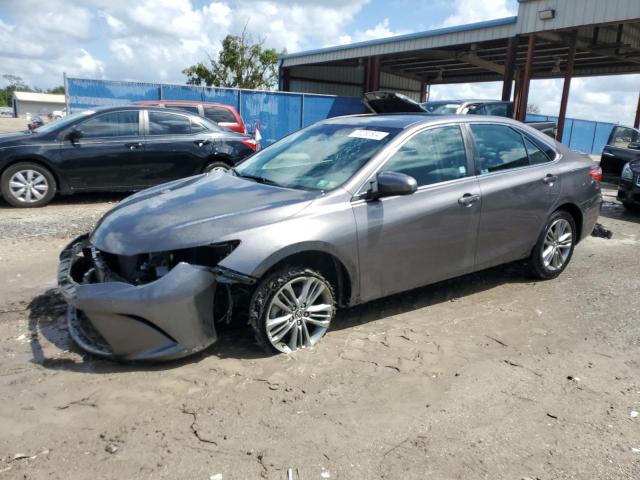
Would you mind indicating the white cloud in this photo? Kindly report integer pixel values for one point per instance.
(470, 11)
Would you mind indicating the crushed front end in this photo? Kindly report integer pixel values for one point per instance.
(156, 306)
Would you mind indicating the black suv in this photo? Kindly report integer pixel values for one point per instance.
(124, 148)
(623, 146)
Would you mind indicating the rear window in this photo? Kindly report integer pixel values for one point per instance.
(499, 148)
(219, 114)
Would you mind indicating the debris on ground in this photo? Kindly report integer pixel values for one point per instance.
(601, 232)
(111, 448)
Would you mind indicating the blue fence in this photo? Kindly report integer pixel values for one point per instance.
(580, 135)
(276, 114)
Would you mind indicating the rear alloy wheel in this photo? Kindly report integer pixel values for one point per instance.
(554, 249)
(216, 167)
(292, 309)
(27, 185)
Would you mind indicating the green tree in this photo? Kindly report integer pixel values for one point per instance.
(14, 83)
(241, 63)
(58, 90)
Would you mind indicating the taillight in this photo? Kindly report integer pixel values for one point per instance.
(252, 144)
(596, 173)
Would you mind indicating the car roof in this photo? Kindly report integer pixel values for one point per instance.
(391, 120)
(183, 102)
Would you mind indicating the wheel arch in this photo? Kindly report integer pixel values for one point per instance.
(575, 212)
(39, 161)
(319, 258)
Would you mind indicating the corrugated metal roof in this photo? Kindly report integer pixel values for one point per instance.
(38, 97)
(451, 35)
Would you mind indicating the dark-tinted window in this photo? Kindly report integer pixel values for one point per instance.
(536, 156)
(219, 114)
(432, 156)
(185, 108)
(161, 123)
(114, 124)
(197, 127)
(623, 136)
(499, 148)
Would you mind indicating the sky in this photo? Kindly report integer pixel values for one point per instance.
(153, 40)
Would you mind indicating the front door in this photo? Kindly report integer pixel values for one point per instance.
(109, 153)
(408, 241)
(519, 184)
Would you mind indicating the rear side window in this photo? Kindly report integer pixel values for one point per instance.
(219, 114)
(621, 137)
(499, 148)
(433, 156)
(185, 108)
(536, 156)
(197, 127)
(161, 123)
(114, 124)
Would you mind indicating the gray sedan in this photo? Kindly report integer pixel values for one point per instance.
(340, 213)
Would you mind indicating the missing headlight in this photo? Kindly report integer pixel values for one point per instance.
(145, 268)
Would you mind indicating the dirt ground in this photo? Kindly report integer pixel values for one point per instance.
(487, 376)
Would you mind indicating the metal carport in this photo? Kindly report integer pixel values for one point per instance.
(547, 39)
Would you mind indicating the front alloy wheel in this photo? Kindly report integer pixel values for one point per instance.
(292, 309)
(27, 184)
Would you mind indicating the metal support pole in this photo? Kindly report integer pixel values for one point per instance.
(372, 74)
(286, 80)
(509, 68)
(568, 74)
(66, 93)
(636, 123)
(528, 71)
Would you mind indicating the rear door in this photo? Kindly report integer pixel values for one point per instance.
(176, 146)
(408, 241)
(519, 184)
(619, 150)
(109, 153)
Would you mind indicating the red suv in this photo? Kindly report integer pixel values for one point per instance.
(224, 115)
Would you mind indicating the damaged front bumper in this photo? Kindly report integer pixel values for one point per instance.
(168, 318)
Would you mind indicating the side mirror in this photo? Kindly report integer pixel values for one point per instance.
(74, 135)
(389, 184)
(634, 146)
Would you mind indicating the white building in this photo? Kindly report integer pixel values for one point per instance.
(35, 103)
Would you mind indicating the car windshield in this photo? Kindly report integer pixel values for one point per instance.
(321, 157)
(442, 108)
(63, 122)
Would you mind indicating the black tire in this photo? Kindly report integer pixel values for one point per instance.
(632, 207)
(11, 195)
(265, 292)
(540, 269)
(216, 165)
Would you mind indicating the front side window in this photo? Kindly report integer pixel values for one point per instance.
(499, 148)
(113, 124)
(433, 156)
(321, 157)
(161, 123)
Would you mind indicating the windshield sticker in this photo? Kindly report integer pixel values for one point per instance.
(369, 134)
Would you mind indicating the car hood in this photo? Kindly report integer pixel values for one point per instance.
(192, 212)
(12, 137)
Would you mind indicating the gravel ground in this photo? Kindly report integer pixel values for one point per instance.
(487, 376)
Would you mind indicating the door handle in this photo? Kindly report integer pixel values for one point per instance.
(201, 143)
(468, 199)
(133, 146)
(549, 179)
